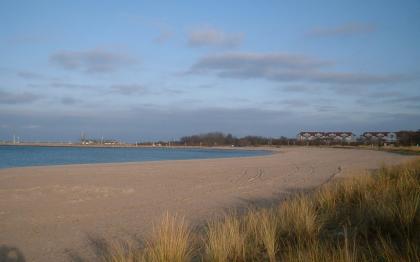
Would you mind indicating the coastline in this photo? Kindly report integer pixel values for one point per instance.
(46, 144)
(48, 212)
(247, 152)
(128, 163)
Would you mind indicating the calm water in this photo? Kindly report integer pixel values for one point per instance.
(18, 156)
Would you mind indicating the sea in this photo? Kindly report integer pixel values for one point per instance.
(23, 156)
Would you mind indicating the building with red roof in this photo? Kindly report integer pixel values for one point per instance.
(326, 136)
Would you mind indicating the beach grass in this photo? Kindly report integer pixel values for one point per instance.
(403, 150)
(374, 217)
(170, 241)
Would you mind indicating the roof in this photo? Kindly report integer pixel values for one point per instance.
(326, 133)
(377, 133)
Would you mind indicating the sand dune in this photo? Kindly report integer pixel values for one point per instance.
(49, 213)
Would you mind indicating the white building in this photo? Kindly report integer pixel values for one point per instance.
(388, 137)
(327, 136)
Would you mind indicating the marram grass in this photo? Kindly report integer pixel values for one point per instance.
(366, 218)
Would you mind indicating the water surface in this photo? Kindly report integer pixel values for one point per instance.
(20, 156)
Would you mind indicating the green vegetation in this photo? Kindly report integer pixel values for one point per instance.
(366, 218)
(221, 139)
(404, 150)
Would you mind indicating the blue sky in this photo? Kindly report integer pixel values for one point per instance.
(143, 70)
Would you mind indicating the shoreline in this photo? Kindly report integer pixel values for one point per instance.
(105, 164)
(45, 211)
(264, 152)
(46, 144)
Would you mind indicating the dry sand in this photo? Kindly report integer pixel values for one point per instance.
(49, 213)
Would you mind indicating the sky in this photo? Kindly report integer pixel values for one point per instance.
(149, 70)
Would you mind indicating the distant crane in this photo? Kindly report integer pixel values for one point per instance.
(82, 137)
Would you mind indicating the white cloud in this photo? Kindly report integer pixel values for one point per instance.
(342, 30)
(209, 36)
(91, 61)
(128, 89)
(281, 67)
(17, 98)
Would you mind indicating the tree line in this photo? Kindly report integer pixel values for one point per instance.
(405, 138)
(221, 139)
(408, 138)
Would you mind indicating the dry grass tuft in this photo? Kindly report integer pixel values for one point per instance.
(267, 230)
(117, 251)
(226, 239)
(170, 241)
(299, 221)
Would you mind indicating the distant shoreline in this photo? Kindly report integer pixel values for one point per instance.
(46, 144)
(58, 154)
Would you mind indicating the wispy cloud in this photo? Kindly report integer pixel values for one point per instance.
(213, 37)
(129, 89)
(292, 103)
(359, 78)
(163, 36)
(122, 89)
(163, 29)
(282, 67)
(91, 61)
(7, 97)
(300, 88)
(26, 39)
(390, 98)
(348, 29)
(67, 100)
(72, 85)
(235, 63)
(326, 108)
(30, 75)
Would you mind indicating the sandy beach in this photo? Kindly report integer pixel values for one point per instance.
(50, 213)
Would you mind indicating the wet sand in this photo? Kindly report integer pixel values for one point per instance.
(49, 213)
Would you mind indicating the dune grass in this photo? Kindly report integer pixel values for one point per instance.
(402, 150)
(170, 241)
(372, 217)
(406, 150)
